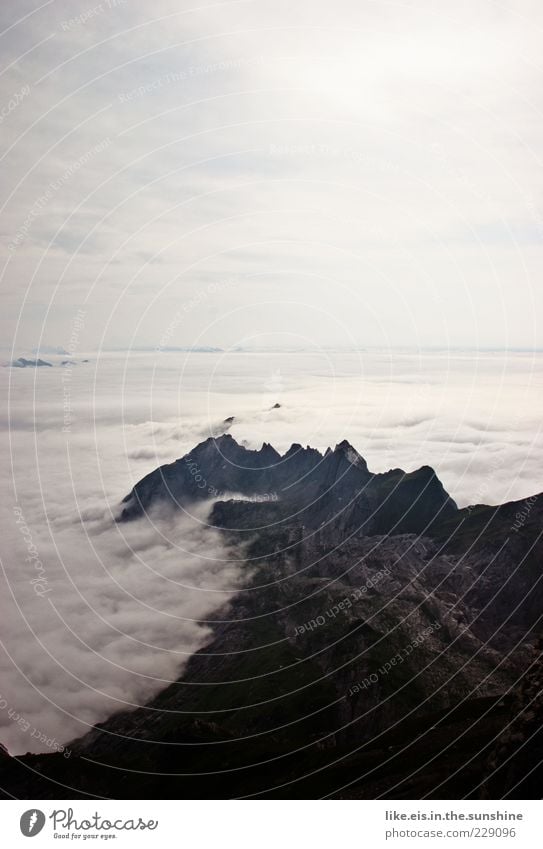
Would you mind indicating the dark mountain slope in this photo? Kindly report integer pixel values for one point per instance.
(358, 661)
(332, 487)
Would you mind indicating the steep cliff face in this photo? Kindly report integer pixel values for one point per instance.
(378, 647)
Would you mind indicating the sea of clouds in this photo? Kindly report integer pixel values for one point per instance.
(97, 616)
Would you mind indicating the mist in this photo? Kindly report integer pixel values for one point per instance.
(99, 616)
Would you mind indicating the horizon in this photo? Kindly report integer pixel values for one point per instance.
(213, 349)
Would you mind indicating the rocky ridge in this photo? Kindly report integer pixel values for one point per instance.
(382, 644)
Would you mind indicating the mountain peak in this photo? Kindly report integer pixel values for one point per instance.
(346, 450)
(336, 486)
(295, 448)
(224, 437)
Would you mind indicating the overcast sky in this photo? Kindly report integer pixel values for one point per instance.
(267, 172)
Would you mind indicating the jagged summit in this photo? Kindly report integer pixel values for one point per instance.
(226, 441)
(334, 486)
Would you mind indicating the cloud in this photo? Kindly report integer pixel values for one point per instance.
(101, 616)
(148, 452)
(366, 173)
(104, 617)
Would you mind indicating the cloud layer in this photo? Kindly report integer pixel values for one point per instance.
(99, 616)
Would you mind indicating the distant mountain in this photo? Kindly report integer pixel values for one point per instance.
(22, 362)
(385, 644)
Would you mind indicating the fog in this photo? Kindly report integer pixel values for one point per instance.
(97, 616)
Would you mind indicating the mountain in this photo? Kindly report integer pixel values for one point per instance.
(331, 488)
(385, 643)
(22, 362)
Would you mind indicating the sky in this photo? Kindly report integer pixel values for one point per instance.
(263, 173)
(97, 616)
(251, 174)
